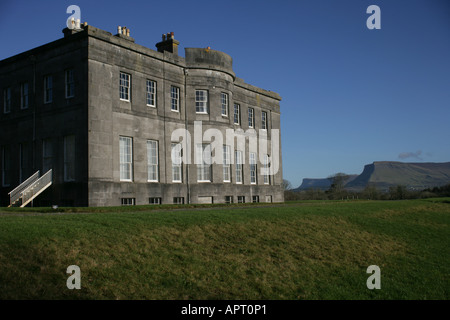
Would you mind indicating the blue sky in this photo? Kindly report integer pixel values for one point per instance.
(351, 95)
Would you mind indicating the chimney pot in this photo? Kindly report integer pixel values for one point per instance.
(119, 30)
(128, 32)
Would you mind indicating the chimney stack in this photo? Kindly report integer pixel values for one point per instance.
(168, 43)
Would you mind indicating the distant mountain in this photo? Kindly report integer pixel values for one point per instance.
(384, 174)
(322, 184)
(416, 176)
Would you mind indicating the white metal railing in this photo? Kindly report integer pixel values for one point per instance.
(36, 188)
(15, 194)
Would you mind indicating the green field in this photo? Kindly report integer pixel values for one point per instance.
(304, 250)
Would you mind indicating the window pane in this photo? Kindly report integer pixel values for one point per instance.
(175, 98)
(152, 160)
(204, 158)
(201, 101)
(237, 114)
(151, 93)
(176, 162)
(124, 86)
(239, 164)
(224, 102)
(251, 119)
(252, 167)
(69, 158)
(126, 158)
(226, 163)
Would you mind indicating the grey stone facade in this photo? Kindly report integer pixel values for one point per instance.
(95, 118)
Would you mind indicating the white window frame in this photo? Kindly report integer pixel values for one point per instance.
(178, 200)
(151, 93)
(126, 158)
(152, 161)
(201, 101)
(204, 167)
(151, 200)
(226, 163)
(48, 89)
(174, 99)
(7, 100)
(128, 201)
(24, 95)
(176, 165)
(264, 120)
(69, 158)
(251, 117)
(124, 86)
(237, 114)
(224, 102)
(239, 166)
(266, 176)
(253, 167)
(69, 83)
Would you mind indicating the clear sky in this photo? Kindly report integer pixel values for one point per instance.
(351, 95)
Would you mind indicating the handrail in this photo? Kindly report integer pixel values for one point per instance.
(16, 193)
(36, 188)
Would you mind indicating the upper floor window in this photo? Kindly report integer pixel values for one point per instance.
(264, 120)
(224, 102)
(151, 93)
(251, 117)
(24, 96)
(48, 89)
(70, 84)
(175, 98)
(124, 86)
(237, 114)
(7, 100)
(201, 101)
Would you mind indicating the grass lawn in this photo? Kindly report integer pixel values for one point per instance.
(304, 250)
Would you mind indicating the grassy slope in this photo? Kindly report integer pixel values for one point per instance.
(308, 250)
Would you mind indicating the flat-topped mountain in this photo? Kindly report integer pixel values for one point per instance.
(384, 174)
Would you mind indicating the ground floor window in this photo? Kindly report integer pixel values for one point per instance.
(228, 199)
(255, 199)
(178, 200)
(128, 201)
(154, 200)
(241, 199)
